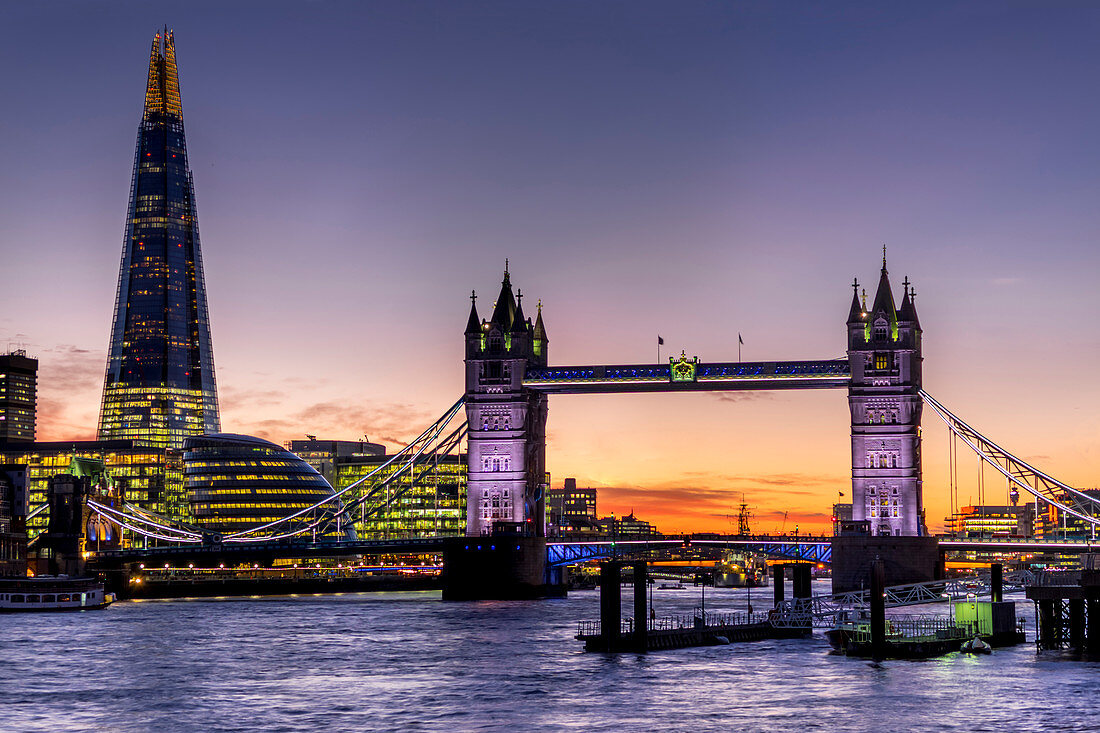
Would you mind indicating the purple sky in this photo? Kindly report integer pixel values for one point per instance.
(694, 169)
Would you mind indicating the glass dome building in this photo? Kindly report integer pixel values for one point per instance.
(237, 482)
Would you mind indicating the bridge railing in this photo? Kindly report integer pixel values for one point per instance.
(828, 609)
(679, 622)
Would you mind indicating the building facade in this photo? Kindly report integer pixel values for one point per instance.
(236, 483)
(325, 454)
(18, 397)
(842, 513)
(149, 476)
(628, 527)
(159, 385)
(424, 504)
(884, 353)
(992, 521)
(570, 509)
(507, 423)
(13, 520)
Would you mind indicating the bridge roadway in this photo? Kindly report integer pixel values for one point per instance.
(828, 373)
(559, 553)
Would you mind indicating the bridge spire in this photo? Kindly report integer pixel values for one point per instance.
(855, 313)
(473, 325)
(884, 298)
(506, 303)
(519, 324)
(540, 330)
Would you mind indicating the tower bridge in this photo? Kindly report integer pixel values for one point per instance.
(508, 382)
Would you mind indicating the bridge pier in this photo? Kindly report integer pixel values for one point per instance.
(499, 568)
(905, 560)
(801, 581)
(641, 610)
(1068, 616)
(877, 572)
(778, 580)
(610, 603)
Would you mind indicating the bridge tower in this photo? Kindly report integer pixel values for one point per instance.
(507, 423)
(884, 351)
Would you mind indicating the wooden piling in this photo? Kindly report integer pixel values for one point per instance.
(878, 610)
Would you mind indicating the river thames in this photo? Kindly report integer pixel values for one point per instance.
(409, 662)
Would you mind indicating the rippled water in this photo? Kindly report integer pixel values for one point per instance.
(408, 661)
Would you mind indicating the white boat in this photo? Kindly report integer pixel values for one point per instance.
(977, 646)
(52, 593)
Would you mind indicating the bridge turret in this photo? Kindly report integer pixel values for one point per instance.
(539, 340)
(507, 422)
(857, 319)
(473, 329)
(884, 354)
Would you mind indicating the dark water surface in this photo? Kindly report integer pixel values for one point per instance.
(409, 662)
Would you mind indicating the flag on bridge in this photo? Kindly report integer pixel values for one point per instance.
(740, 341)
(660, 341)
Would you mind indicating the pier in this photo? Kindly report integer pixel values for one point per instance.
(643, 633)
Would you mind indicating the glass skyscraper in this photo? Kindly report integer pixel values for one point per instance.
(159, 385)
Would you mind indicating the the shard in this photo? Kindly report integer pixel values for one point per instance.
(160, 383)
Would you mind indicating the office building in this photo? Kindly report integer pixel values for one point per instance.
(18, 397)
(236, 482)
(323, 454)
(424, 503)
(159, 385)
(148, 476)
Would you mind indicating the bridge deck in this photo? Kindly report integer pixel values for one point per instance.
(704, 377)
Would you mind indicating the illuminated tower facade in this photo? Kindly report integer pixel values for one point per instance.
(884, 352)
(507, 422)
(159, 385)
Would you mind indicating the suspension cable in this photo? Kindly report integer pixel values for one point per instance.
(1012, 463)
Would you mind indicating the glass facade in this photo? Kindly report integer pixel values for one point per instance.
(150, 477)
(18, 397)
(431, 507)
(237, 482)
(159, 386)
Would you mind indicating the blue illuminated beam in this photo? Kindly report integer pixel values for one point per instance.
(805, 549)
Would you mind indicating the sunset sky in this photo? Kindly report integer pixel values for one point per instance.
(689, 169)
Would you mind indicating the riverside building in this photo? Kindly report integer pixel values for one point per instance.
(149, 476)
(432, 505)
(236, 482)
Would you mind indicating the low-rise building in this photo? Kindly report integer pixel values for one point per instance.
(571, 509)
(628, 527)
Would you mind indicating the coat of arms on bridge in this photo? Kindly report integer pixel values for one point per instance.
(682, 369)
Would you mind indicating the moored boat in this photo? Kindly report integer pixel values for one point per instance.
(52, 593)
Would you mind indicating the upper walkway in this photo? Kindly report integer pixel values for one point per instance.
(690, 376)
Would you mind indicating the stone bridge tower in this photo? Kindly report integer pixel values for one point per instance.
(884, 351)
(507, 423)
